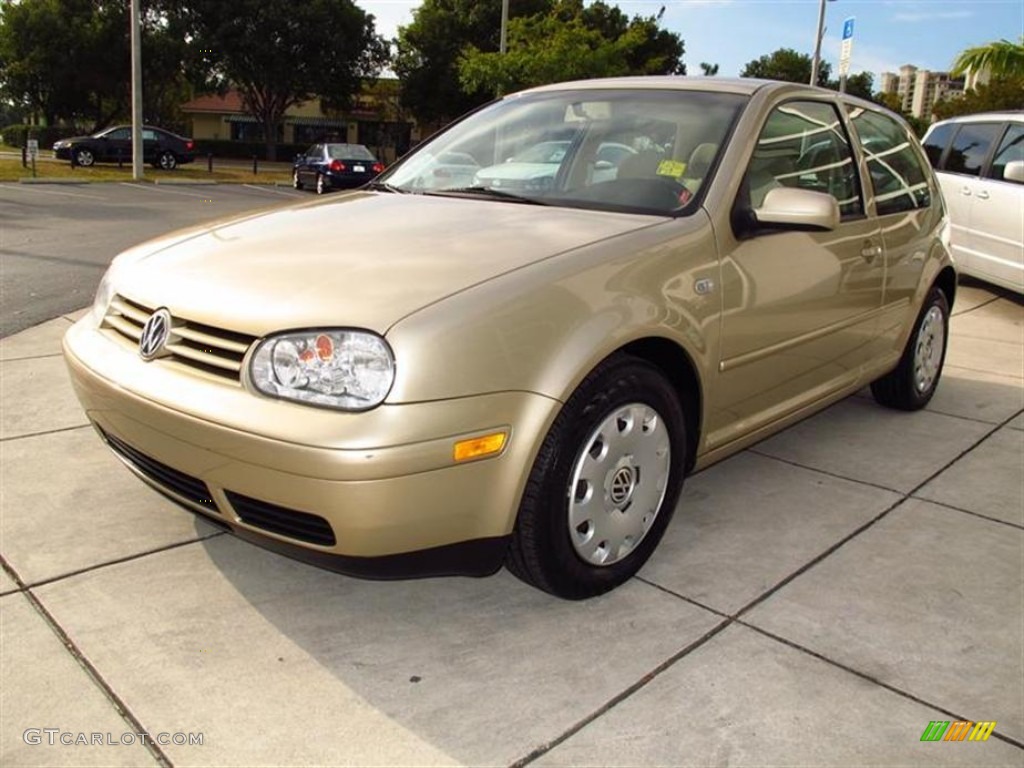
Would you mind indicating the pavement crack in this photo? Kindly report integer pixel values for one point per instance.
(620, 697)
(871, 679)
(125, 559)
(44, 432)
(93, 673)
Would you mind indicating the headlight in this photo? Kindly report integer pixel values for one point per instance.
(104, 294)
(350, 370)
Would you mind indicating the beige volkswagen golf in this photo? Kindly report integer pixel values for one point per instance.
(444, 372)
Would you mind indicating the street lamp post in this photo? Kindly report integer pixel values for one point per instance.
(816, 61)
(136, 92)
(504, 24)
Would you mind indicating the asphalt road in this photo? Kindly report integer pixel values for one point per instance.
(56, 240)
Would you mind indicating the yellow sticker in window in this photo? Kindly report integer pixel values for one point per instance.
(672, 168)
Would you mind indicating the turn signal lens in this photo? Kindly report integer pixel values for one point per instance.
(478, 447)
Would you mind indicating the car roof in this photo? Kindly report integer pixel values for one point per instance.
(984, 117)
(740, 85)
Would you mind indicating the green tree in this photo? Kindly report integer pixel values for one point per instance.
(279, 53)
(1001, 94)
(428, 51)
(572, 43)
(1000, 58)
(60, 58)
(786, 64)
(70, 61)
(710, 70)
(860, 84)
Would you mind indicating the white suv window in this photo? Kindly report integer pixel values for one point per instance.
(1010, 148)
(970, 148)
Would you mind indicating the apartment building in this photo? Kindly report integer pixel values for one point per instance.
(920, 89)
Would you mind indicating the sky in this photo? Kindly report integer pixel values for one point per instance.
(887, 33)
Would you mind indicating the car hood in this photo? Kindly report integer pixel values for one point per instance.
(71, 139)
(361, 260)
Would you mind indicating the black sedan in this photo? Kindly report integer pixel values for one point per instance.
(162, 148)
(335, 166)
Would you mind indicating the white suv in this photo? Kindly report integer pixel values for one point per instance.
(979, 161)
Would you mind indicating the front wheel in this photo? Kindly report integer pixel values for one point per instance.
(912, 383)
(83, 157)
(605, 483)
(296, 181)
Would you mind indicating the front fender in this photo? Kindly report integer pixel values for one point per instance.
(544, 327)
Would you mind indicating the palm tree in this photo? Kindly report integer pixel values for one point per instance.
(1001, 58)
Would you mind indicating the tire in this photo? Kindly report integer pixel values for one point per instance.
(912, 383)
(167, 160)
(83, 156)
(321, 184)
(604, 485)
(296, 183)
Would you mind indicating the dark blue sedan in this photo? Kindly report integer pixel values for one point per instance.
(335, 166)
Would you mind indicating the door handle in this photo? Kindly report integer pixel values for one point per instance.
(870, 251)
(982, 195)
(965, 191)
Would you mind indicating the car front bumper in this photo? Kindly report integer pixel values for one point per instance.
(387, 500)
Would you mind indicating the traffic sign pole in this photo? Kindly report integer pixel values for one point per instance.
(844, 56)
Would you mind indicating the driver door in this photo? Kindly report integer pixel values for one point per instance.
(800, 308)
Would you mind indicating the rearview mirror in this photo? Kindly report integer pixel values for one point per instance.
(798, 209)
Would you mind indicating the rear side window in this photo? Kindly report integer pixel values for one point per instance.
(937, 141)
(971, 146)
(1010, 148)
(898, 174)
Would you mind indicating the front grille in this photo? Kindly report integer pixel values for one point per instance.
(213, 351)
(286, 522)
(183, 485)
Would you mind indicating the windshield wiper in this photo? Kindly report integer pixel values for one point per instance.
(383, 186)
(498, 194)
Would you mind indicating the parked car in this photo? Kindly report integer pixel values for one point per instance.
(161, 148)
(535, 167)
(335, 166)
(979, 161)
(440, 380)
(449, 170)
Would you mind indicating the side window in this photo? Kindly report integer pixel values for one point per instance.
(121, 134)
(1010, 148)
(803, 144)
(899, 176)
(315, 152)
(148, 135)
(937, 140)
(971, 146)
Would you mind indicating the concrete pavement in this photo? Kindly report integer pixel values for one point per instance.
(818, 600)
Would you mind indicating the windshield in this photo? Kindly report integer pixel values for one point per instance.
(638, 150)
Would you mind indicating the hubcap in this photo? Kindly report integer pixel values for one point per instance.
(618, 483)
(931, 340)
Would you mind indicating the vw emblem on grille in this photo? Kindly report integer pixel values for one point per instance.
(155, 334)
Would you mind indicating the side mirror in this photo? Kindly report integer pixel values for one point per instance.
(790, 208)
(1014, 171)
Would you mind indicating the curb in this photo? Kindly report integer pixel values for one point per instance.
(44, 180)
(185, 182)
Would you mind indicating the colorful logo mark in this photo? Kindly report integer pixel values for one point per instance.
(960, 730)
